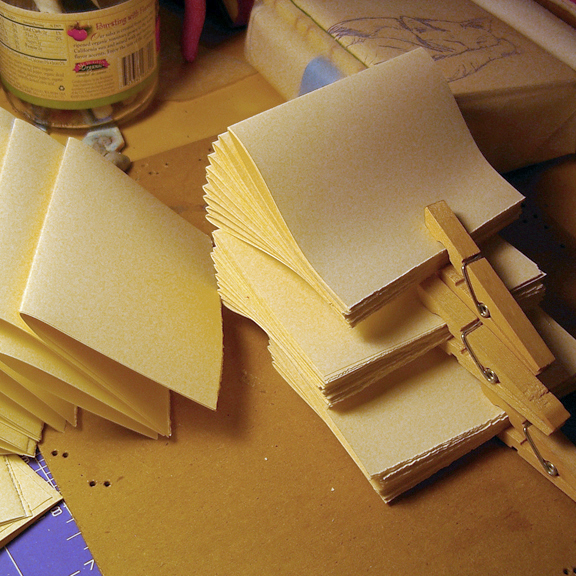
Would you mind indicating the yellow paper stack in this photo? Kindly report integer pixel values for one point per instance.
(333, 184)
(25, 497)
(331, 358)
(107, 299)
(321, 241)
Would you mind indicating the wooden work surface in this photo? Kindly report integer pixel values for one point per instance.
(261, 486)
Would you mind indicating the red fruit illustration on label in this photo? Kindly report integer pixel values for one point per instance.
(78, 33)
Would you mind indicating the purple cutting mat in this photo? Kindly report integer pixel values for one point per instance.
(52, 546)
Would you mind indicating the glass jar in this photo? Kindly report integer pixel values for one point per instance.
(79, 63)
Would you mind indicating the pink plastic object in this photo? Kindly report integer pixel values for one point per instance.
(194, 15)
(234, 14)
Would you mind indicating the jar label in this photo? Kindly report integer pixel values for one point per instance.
(81, 60)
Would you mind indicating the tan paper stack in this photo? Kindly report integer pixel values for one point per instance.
(334, 183)
(331, 358)
(107, 298)
(321, 241)
(25, 497)
(405, 421)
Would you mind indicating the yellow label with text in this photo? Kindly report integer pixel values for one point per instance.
(81, 60)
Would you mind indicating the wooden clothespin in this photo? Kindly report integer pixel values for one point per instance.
(495, 341)
(488, 358)
(553, 456)
(484, 291)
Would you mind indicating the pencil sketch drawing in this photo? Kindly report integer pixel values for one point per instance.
(465, 46)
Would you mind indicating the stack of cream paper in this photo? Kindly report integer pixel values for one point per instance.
(332, 358)
(107, 298)
(334, 183)
(321, 240)
(425, 412)
(428, 414)
(25, 497)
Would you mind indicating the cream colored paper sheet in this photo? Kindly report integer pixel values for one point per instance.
(38, 496)
(24, 198)
(423, 416)
(101, 400)
(51, 372)
(19, 418)
(335, 358)
(119, 280)
(538, 24)
(343, 174)
(11, 505)
(15, 441)
(39, 403)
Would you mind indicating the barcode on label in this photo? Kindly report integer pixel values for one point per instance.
(136, 65)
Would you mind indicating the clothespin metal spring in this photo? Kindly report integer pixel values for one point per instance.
(480, 306)
(492, 378)
(549, 468)
(488, 373)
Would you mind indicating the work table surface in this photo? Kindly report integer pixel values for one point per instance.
(261, 486)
